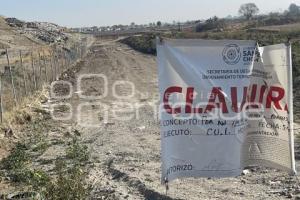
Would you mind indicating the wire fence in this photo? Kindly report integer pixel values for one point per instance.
(23, 71)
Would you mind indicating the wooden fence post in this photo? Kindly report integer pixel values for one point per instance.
(68, 59)
(81, 53)
(1, 99)
(45, 67)
(62, 62)
(40, 69)
(55, 64)
(33, 72)
(51, 66)
(11, 78)
(65, 60)
(24, 73)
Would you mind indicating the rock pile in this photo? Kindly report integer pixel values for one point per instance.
(46, 32)
(14, 22)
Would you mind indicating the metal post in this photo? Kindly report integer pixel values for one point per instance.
(291, 106)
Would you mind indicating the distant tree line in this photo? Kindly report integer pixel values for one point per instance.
(249, 13)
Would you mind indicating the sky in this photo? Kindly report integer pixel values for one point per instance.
(85, 13)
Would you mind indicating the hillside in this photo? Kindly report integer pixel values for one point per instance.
(34, 49)
(10, 38)
(34, 62)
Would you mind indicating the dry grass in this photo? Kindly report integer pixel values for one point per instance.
(28, 106)
(14, 120)
(281, 28)
(14, 54)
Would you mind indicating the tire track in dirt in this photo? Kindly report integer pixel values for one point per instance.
(120, 141)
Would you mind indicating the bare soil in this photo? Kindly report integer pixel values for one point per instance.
(126, 154)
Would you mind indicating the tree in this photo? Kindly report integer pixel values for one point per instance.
(248, 10)
(211, 24)
(294, 9)
(158, 23)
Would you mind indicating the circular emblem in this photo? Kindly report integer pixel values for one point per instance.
(231, 54)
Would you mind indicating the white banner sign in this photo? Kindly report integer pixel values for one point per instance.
(225, 105)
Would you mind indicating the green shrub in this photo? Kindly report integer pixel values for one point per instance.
(77, 151)
(17, 159)
(70, 183)
(144, 43)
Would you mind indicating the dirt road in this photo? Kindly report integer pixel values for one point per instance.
(125, 154)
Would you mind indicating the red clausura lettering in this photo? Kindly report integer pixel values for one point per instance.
(252, 96)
